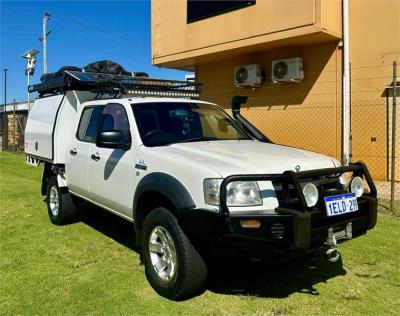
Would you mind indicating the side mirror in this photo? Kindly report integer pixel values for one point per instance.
(112, 139)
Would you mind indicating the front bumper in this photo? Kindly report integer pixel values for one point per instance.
(293, 228)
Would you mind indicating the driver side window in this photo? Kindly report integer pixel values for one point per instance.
(114, 117)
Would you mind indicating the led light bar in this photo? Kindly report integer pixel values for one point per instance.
(170, 94)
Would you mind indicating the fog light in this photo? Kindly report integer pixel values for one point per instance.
(250, 223)
(310, 192)
(277, 230)
(357, 186)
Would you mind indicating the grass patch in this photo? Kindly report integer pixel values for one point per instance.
(90, 267)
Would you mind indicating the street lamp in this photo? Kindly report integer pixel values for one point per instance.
(30, 68)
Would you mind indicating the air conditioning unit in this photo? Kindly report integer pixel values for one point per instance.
(287, 70)
(248, 76)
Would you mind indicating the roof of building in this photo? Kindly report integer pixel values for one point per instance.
(19, 106)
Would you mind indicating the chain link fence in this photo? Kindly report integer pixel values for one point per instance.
(310, 116)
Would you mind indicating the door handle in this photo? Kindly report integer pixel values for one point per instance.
(95, 157)
(73, 152)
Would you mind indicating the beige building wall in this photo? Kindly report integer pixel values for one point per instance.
(306, 115)
(303, 115)
(374, 45)
(265, 24)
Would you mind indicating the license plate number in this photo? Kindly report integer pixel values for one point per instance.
(341, 204)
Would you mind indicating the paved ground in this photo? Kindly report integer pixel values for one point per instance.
(383, 188)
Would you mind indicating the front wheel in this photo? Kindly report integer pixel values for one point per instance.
(173, 266)
(60, 207)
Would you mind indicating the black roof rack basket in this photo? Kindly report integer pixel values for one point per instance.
(120, 83)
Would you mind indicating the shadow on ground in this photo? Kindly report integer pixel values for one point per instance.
(234, 275)
(245, 277)
(108, 224)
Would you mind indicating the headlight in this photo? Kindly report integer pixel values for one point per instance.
(357, 186)
(310, 192)
(239, 193)
(243, 193)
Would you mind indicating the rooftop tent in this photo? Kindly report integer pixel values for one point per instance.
(106, 67)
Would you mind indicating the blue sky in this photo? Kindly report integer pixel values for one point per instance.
(82, 32)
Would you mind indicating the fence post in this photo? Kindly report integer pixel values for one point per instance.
(393, 170)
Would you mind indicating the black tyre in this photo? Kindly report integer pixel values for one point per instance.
(173, 266)
(60, 206)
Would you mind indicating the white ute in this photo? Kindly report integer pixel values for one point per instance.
(191, 178)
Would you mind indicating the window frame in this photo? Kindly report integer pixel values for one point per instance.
(100, 121)
(126, 114)
(80, 121)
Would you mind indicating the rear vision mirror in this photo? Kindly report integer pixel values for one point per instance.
(112, 139)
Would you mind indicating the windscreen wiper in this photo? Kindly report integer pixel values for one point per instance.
(195, 139)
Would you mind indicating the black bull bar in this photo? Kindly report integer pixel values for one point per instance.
(290, 181)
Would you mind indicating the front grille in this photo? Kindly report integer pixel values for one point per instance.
(327, 185)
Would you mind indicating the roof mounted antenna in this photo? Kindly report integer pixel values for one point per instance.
(237, 101)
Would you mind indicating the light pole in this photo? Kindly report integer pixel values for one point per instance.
(30, 68)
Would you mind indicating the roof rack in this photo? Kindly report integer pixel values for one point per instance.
(117, 85)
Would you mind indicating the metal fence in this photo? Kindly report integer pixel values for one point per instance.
(313, 119)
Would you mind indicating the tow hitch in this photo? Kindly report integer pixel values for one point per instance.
(331, 248)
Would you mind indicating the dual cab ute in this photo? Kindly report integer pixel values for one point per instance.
(191, 178)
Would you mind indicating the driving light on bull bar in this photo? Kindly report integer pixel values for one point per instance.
(310, 192)
(243, 193)
(357, 186)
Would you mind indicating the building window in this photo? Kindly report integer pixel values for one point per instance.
(203, 9)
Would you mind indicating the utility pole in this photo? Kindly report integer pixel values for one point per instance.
(5, 87)
(43, 39)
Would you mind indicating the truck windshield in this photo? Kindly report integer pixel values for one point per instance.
(169, 123)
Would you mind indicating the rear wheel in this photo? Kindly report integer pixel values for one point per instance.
(60, 207)
(173, 266)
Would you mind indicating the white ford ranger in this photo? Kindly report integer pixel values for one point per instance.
(190, 177)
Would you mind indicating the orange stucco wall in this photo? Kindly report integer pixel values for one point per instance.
(306, 115)
(269, 20)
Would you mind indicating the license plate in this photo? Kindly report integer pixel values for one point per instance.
(341, 204)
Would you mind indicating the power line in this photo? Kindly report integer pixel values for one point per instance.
(108, 52)
(87, 26)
